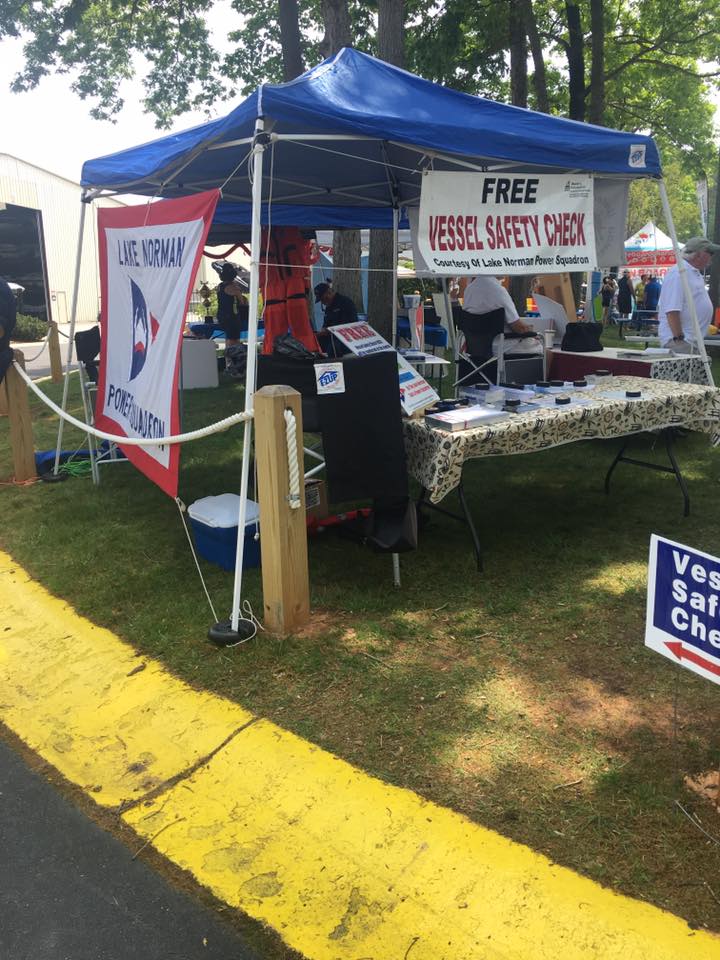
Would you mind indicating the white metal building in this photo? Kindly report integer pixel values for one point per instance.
(57, 199)
(31, 188)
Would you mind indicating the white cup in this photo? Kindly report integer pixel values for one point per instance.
(549, 339)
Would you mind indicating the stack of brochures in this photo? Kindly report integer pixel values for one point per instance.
(464, 418)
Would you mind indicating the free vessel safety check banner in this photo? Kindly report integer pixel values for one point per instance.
(478, 223)
(149, 256)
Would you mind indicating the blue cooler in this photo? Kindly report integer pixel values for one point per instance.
(214, 521)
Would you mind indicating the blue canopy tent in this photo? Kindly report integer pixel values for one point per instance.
(346, 143)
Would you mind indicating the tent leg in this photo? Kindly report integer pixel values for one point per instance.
(396, 219)
(71, 338)
(699, 335)
(589, 314)
(448, 312)
(255, 243)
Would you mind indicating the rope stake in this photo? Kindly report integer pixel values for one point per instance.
(293, 465)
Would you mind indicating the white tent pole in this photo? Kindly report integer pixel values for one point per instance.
(588, 297)
(71, 337)
(448, 313)
(255, 250)
(396, 219)
(699, 336)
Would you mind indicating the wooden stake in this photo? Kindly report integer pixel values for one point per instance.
(56, 366)
(283, 532)
(21, 435)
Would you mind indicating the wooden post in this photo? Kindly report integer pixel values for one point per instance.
(56, 367)
(283, 531)
(21, 435)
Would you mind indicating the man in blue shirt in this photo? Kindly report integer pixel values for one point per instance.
(652, 294)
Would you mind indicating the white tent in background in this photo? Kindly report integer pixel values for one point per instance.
(649, 251)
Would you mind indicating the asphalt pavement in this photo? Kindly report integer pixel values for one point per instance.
(70, 891)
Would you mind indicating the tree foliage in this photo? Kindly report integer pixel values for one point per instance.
(651, 72)
(645, 205)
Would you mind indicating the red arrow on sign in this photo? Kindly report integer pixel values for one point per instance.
(685, 653)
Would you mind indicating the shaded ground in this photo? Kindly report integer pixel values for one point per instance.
(523, 698)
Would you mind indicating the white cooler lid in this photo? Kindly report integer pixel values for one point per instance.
(222, 511)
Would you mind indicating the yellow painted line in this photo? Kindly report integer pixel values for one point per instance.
(343, 866)
(73, 692)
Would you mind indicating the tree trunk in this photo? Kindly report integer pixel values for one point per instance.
(576, 61)
(381, 279)
(715, 234)
(290, 40)
(539, 79)
(336, 18)
(518, 285)
(518, 58)
(346, 254)
(597, 63)
(346, 243)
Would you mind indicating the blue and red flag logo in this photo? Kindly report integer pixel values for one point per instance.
(143, 333)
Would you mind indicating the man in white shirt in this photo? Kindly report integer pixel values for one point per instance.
(485, 294)
(676, 329)
(552, 316)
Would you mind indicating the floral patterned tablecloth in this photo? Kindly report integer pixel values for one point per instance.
(436, 457)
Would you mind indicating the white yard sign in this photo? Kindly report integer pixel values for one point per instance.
(360, 338)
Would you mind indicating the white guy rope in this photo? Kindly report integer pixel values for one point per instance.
(182, 509)
(293, 467)
(217, 427)
(294, 266)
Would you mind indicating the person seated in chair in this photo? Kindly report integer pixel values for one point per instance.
(552, 314)
(232, 316)
(487, 293)
(337, 307)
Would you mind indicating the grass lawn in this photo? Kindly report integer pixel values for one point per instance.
(523, 698)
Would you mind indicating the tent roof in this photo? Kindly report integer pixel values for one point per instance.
(359, 133)
(649, 237)
(232, 220)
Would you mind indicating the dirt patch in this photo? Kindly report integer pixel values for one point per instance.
(321, 623)
(707, 786)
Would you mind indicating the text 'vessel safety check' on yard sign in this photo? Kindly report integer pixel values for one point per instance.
(683, 606)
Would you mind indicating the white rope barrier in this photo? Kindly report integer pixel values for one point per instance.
(41, 350)
(293, 466)
(217, 427)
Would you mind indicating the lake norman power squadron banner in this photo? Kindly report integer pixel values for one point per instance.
(479, 223)
(149, 256)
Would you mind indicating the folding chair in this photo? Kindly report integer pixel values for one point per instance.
(87, 351)
(475, 355)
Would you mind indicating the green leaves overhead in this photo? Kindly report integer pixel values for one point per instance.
(657, 60)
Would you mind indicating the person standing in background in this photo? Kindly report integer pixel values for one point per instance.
(625, 295)
(640, 292)
(607, 294)
(652, 294)
(676, 328)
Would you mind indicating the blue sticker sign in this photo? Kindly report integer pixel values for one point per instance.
(683, 606)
